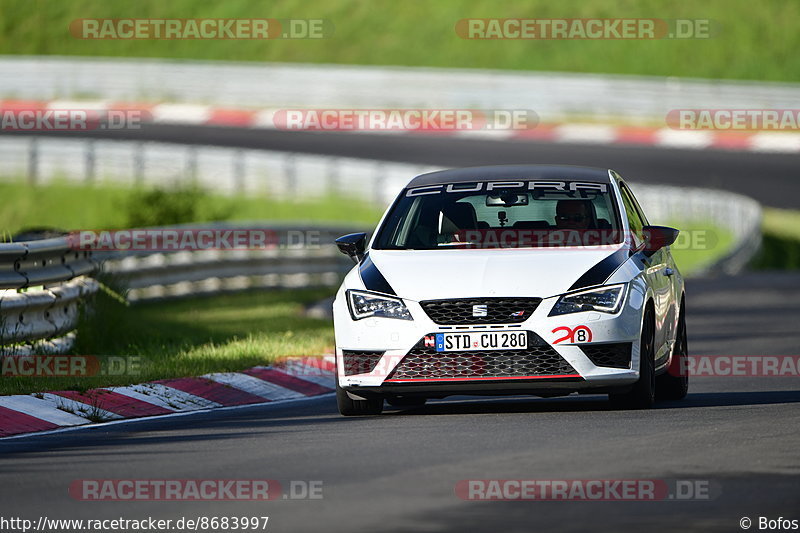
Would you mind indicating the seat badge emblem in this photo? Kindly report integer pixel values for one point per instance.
(479, 310)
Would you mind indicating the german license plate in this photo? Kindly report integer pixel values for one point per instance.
(481, 340)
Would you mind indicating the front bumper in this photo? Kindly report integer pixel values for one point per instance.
(392, 343)
(549, 387)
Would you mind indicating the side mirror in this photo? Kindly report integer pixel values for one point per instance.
(657, 237)
(353, 245)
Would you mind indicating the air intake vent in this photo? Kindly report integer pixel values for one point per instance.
(465, 311)
(616, 355)
(360, 362)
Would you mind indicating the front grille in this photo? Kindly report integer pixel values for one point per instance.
(498, 310)
(360, 361)
(539, 359)
(616, 355)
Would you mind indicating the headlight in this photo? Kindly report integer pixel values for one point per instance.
(606, 299)
(367, 304)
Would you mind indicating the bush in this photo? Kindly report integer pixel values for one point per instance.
(165, 207)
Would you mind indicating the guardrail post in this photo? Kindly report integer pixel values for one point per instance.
(290, 171)
(138, 163)
(239, 172)
(332, 176)
(191, 165)
(91, 161)
(380, 179)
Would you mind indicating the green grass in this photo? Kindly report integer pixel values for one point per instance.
(753, 41)
(780, 247)
(71, 206)
(699, 245)
(782, 223)
(191, 337)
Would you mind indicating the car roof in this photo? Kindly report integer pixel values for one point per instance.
(512, 172)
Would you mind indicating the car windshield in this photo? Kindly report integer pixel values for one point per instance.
(513, 214)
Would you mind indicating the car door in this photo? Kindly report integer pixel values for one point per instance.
(671, 295)
(657, 274)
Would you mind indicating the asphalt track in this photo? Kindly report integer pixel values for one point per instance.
(398, 472)
(771, 178)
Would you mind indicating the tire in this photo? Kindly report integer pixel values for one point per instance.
(350, 407)
(674, 383)
(642, 395)
(405, 401)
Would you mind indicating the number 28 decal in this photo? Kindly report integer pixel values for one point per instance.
(574, 335)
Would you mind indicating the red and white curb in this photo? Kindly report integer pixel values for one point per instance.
(664, 137)
(291, 379)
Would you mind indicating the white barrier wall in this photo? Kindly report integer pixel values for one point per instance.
(553, 95)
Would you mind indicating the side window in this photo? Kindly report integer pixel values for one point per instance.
(632, 211)
(636, 205)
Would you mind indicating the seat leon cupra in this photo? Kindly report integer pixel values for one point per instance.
(509, 280)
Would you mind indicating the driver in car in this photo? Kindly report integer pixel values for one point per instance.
(574, 214)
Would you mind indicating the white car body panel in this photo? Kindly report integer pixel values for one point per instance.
(436, 274)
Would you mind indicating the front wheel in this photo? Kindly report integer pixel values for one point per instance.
(642, 395)
(674, 383)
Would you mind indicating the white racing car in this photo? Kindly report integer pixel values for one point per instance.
(542, 280)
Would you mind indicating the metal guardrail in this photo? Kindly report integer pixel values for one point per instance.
(41, 262)
(41, 285)
(738, 214)
(43, 314)
(289, 262)
(44, 282)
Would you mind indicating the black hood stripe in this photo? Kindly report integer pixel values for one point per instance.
(372, 277)
(598, 274)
